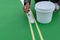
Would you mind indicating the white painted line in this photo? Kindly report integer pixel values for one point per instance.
(32, 33)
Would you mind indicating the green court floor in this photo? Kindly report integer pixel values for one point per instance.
(14, 23)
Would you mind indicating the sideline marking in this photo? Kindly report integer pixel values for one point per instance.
(32, 33)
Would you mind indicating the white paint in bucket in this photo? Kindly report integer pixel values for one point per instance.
(44, 11)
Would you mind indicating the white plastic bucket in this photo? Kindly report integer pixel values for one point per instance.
(44, 11)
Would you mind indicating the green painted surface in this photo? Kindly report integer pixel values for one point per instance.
(14, 24)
